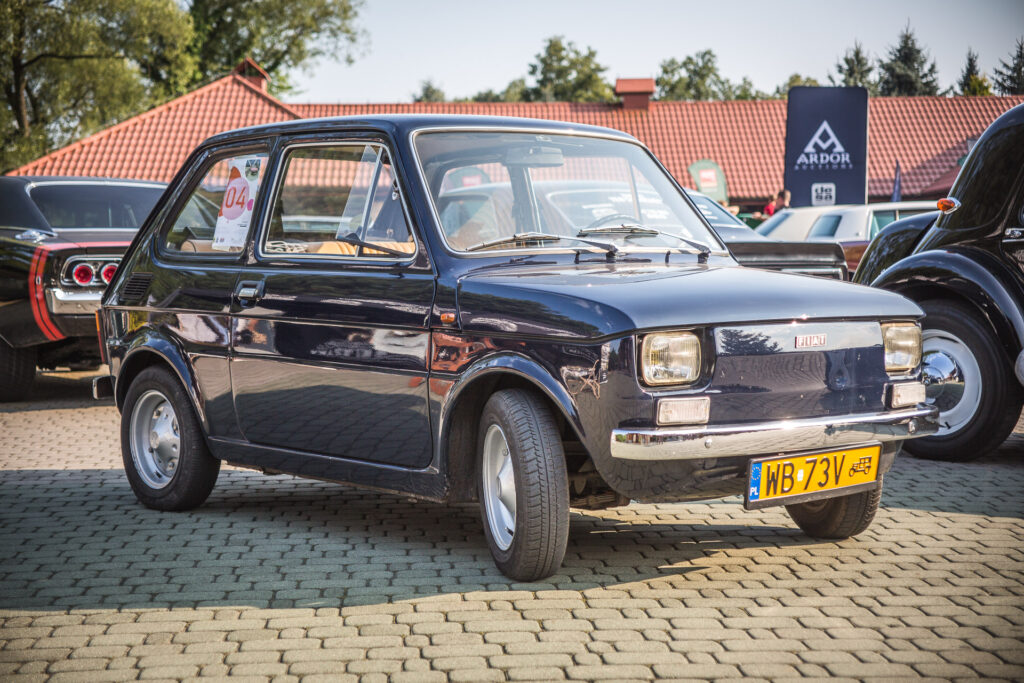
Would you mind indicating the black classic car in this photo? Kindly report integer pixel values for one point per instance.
(337, 319)
(965, 267)
(61, 240)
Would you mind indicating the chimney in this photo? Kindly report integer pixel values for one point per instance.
(252, 72)
(635, 92)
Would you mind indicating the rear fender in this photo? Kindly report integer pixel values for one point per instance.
(973, 277)
(148, 347)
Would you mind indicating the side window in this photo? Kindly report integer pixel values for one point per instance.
(339, 200)
(825, 226)
(216, 216)
(880, 219)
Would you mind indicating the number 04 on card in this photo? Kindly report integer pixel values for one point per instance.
(782, 480)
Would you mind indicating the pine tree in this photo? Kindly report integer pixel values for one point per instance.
(972, 81)
(1009, 80)
(908, 70)
(854, 70)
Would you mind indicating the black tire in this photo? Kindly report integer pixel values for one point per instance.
(999, 405)
(541, 529)
(17, 372)
(196, 470)
(837, 518)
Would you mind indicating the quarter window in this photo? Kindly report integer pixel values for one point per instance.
(216, 217)
(339, 201)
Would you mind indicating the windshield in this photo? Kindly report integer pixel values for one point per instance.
(517, 190)
(88, 205)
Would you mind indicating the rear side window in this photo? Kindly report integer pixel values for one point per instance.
(66, 205)
(880, 219)
(825, 226)
(216, 217)
(339, 200)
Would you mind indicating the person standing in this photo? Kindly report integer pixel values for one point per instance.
(781, 201)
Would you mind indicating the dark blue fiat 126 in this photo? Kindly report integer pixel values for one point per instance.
(529, 314)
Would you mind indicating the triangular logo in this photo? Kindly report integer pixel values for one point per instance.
(824, 138)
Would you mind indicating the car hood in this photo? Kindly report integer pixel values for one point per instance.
(604, 299)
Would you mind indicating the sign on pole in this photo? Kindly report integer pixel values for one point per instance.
(827, 146)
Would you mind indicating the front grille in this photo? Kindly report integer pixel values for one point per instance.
(135, 288)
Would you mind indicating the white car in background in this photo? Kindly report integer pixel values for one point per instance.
(861, 222)
(792, 225)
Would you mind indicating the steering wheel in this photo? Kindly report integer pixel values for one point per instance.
(610, 217)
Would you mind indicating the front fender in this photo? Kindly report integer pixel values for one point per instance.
(975, 277)
(521, 366)
(138, 353)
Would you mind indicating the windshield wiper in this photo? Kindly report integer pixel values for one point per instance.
(702, 250)
(352, 239)
(541, 237)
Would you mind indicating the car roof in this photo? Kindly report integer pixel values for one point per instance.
(401, 124)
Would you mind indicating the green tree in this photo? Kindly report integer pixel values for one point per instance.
(794, 80)
(564, 73)
(429, 92)
(696, 77)
(513, 92)
(908, 69)
(70, 67)
(280, 35)
(854, 70)
(1009, 76)
(972, 81)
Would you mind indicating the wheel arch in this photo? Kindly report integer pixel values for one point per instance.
(959, 277)
(152, 350)
(462, 406)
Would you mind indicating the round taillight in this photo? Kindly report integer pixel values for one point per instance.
(107, 272)
(83, 274)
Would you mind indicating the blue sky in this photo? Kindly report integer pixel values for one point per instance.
(466, 47)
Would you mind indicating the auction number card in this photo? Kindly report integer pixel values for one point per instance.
(236, 206)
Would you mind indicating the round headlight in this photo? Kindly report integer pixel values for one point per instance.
(670, 358)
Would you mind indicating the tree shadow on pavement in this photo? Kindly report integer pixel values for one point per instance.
(77, 539)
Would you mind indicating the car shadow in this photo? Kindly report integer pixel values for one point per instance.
(59, 389)
(77, 539)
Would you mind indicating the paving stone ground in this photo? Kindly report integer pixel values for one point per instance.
(284, 579)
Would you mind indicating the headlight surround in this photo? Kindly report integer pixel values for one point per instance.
(670, 358)
(902, 342)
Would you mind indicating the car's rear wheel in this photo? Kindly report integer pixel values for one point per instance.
(17, 372)
(837, 518)
(165, 455)
(978, 398)
(522, 485)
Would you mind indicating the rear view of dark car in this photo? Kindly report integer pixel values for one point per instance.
(61, 240)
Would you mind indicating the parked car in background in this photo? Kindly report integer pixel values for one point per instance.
(757, 251)
(965, 267)
(861, 222)
(791, 225)
(357, 312)
(61, 241)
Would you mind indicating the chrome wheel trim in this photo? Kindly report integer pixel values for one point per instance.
(952, 379)
(499, 487)
(154, 439)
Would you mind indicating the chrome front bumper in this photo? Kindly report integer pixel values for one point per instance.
(720, 441)
(62, 302)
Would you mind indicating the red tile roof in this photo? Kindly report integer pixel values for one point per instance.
(747, 138)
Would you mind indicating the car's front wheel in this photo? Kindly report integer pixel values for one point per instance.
(837, 518)
(522, 485)
(17, 372)
(978, 398)
(168, 464)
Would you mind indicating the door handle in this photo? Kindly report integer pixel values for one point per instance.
(248, 293)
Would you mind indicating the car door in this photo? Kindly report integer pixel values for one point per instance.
(330, 337)
(198, 255)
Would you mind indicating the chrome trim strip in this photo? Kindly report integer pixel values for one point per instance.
(719, 441)
(63, 302)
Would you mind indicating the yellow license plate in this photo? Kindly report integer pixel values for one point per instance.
(809, 476)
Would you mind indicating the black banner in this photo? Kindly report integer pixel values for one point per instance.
(827, 146)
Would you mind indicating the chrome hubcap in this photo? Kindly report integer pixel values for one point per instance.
(952, 379)
(155, 442)
(499, 487)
